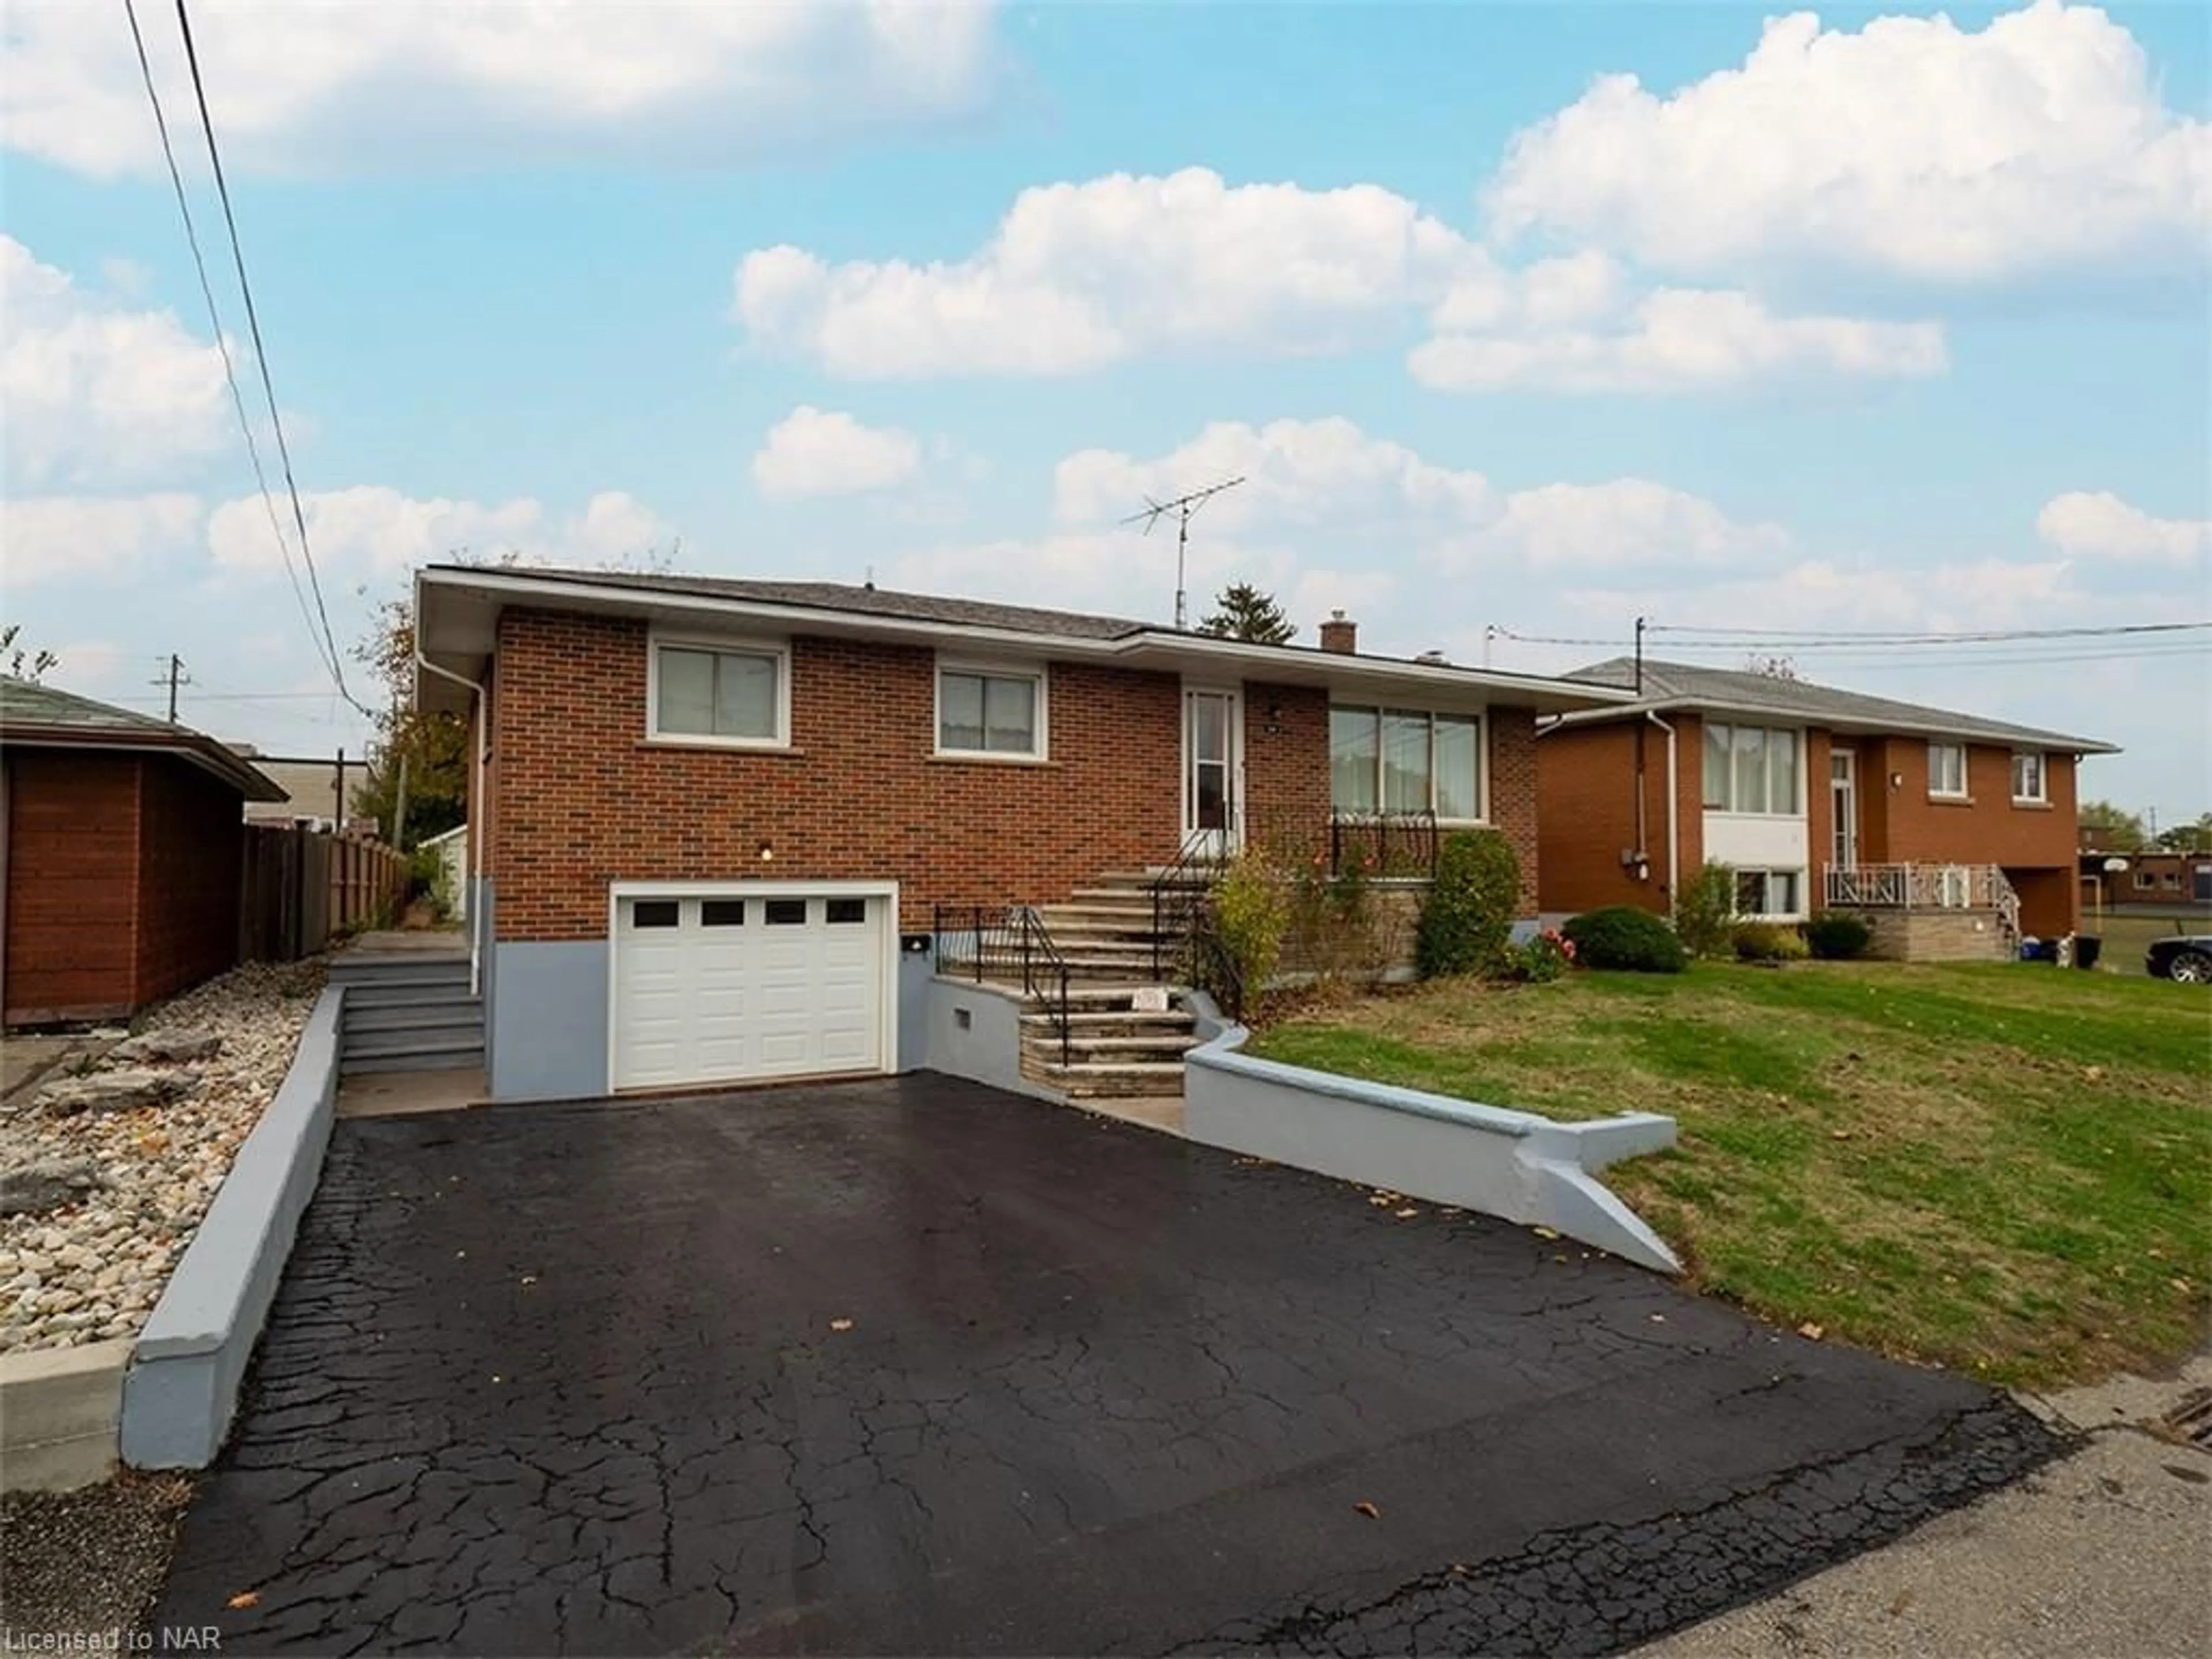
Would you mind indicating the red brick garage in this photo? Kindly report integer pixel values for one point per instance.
(121, 840)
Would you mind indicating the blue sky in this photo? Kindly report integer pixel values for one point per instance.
(1879, 321)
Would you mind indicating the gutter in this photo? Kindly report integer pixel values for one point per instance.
(1673, 813)
(479, 752)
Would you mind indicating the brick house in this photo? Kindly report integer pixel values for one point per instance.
(1949, 832)
(120, 840)
(712, 821)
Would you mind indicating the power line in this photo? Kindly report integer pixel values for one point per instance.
(215, 322)
(260, 351)
(1739, 638)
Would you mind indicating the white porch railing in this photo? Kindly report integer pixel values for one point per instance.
(1925, 887)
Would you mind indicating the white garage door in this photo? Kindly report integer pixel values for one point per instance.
(739, 987)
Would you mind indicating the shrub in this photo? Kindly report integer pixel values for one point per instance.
(1250, 911)
(1339, 928)
(1836, 938)
(1622, 935)
(1541, 958)
(1705, 911)
(1468, 914)
(1768, 941)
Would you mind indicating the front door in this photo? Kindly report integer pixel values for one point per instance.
(1213, 769)
(1843, 797)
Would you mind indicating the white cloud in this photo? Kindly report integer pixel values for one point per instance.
(1329, 484)
(2100, 526)
(1910, 146)
(813, 452)
(371, 528)
(97, 393)
(1082, 275)
(49, 539)
(1671, 341)
(307, 89)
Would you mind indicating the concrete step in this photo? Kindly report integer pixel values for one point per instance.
(377, 1045)
(1148, 1046)
(449, 1013)
(380, 984)
(1097, 1078)
(444, 1060)
(1092, 920)
(1088, 972)
(1113, 1019)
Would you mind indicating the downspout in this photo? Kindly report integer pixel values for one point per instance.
(1673, 811)
(478, 753)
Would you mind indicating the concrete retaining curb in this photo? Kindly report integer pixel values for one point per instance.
(182, 1383)
(1512, 1164)
(59, 1412)
(974, 1031)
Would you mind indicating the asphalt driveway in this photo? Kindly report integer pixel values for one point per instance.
(912, 1366)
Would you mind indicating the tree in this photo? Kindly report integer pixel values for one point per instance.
(433, 747)
(23, 662)
(2122, 830)
(2187, 838)
(1246, 612)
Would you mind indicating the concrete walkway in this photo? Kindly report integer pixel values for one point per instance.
(2101, 1555)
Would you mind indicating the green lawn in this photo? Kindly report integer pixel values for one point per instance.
(2007, 1169)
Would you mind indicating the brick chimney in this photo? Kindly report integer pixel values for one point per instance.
(1340, 634)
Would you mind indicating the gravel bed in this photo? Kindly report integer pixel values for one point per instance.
(93, 1269)
(86, 1563)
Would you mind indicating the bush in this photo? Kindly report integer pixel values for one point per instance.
(1836, 938)
(1622, 935)
(1705, 911)
(1541, 958)
(1768, 941)
(1469, 915)
(1251, 912)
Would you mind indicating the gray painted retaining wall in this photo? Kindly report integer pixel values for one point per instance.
(484, 910)
(1512, 1164)
(915, 971)
(986, 1045)
(547, 1025)
(182, 1386)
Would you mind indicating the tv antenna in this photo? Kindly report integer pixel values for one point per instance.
(1183, 506)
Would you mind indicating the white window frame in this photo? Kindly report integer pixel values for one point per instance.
(1038, 674)
(2042, 795)
(1479, 717)
(656, 641)
(1767, 874)
(1935, 789)
(1795, 734)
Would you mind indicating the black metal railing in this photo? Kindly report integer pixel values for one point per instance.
(1209, 965)
(1397, 846)
(1011, 943)
(1179, 893)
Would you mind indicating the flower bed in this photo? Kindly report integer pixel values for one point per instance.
(91, 1268)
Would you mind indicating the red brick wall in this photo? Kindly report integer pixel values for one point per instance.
(1904, 825)
(189, 869)
(1586, 812)
(73, 825)
(1512, 805)
(1285, 764)
(582, 799)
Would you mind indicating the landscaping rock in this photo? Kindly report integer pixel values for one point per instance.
(167, 1048)
(34, 1189)
(59, 1286)
(116, 1091)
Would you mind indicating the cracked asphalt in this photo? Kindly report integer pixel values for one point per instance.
(914, 1366)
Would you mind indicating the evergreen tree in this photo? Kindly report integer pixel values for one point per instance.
(1246, 612)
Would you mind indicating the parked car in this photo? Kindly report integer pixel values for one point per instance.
(2186, 957)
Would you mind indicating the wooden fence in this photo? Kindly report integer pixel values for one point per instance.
(303, 886)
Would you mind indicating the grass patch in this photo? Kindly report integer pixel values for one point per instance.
(2006, 1168)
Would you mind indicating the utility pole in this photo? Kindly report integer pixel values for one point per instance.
(399, 808)
(172, 676)
(1639, 656)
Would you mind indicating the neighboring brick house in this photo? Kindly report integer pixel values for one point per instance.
(658, 762)
(120, 840)
(1927, 821)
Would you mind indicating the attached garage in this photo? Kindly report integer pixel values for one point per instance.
(751, 981)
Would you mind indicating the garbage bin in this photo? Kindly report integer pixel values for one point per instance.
(2086, 948)
(2032, 949)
